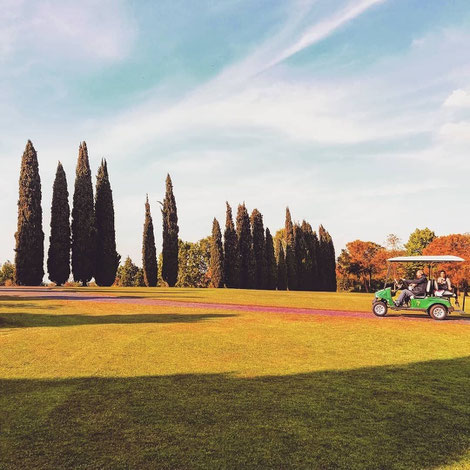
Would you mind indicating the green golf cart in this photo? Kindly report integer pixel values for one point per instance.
(437, 307)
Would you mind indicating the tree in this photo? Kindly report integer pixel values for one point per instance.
(457, 245)
(311, 264)
(232, 255)
(83, 221)
(107, 258)
(292, 280)
(58, 260)
(170, 236)
(29, 257)
(281, 267)
(7, 274)
(271, 266)
(301, 258)
(217, 256)
(327, 261)
(194, 262)
(149, 252)
(245, 248)
(129, 275)
(417, 242)
(259, 249)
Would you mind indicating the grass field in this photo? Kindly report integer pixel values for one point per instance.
(89, 384)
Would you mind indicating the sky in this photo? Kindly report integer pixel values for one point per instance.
(354, 113)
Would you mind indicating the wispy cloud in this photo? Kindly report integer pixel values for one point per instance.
(458, 99)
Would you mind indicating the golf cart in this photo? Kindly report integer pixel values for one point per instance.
(436, 306)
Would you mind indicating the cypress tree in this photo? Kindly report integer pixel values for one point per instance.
(149, 252)
(281, 267)
(300, 251)
(83, 221)
(107, 258)
(232, 255)
(311, 267)
(245, 248)
(259, 249)
(29, 256)
(292, 280)
(271, 267)
(170, 236)
(217, 256)
(58, 260)
(327, 261)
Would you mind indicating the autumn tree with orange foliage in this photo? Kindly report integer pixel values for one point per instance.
(457, 245)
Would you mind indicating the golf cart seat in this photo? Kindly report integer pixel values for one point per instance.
(429, 289)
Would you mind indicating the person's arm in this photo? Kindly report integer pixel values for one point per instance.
(421, 280)
(449, 284)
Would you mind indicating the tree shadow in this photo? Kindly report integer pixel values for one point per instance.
(395, 417)
(34, 320)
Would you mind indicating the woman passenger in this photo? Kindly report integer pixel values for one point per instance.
(443, 283)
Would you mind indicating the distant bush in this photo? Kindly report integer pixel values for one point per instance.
(129, 275)
(7, 274)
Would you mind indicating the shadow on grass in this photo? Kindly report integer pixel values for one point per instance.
(396, 417)
(33, 320)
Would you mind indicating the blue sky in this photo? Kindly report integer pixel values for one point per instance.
(355, 113)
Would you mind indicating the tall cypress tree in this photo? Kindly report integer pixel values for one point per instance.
(271, 267)
(300, 249)
(83, 221)
(231, 253)
(107, 258)
(217, 256)
(245, 248)
(170, 236)
(29, 257)
(149, 252)
(311, 268)
(58, 260)
(259, 249)
(327, 261)
(292, 280)
(281, 267)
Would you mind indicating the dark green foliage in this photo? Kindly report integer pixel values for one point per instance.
(301, 258)
(292, 279)
(194, 262)
(271, 266)
(281, 267)
(259, 249)
(232, 255)
(83, 221)
(58, 260)
(170, 236)
(129, 275)
(311, 266)
(327, 261)
(245, 248)
(149, 252)
(217, 256)
(29, 257)
(107, 258)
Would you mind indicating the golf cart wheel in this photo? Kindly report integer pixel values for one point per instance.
(438, 312)
(379, 309)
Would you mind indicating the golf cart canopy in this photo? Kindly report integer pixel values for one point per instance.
(426, 259)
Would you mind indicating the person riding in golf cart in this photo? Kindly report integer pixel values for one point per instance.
(413, 288)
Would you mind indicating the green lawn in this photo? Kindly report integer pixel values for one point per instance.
(102, 385)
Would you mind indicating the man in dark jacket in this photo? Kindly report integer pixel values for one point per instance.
(416, 287)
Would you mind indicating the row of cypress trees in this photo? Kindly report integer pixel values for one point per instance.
(247, 258)
(90, 238)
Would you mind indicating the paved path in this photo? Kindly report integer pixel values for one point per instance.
(26, 292)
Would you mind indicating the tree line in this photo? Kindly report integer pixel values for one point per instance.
(246, 256)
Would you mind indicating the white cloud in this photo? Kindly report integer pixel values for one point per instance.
(97, 30)
(455, 132)
(458, 99)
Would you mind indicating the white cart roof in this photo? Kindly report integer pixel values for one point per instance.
(426, 259)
